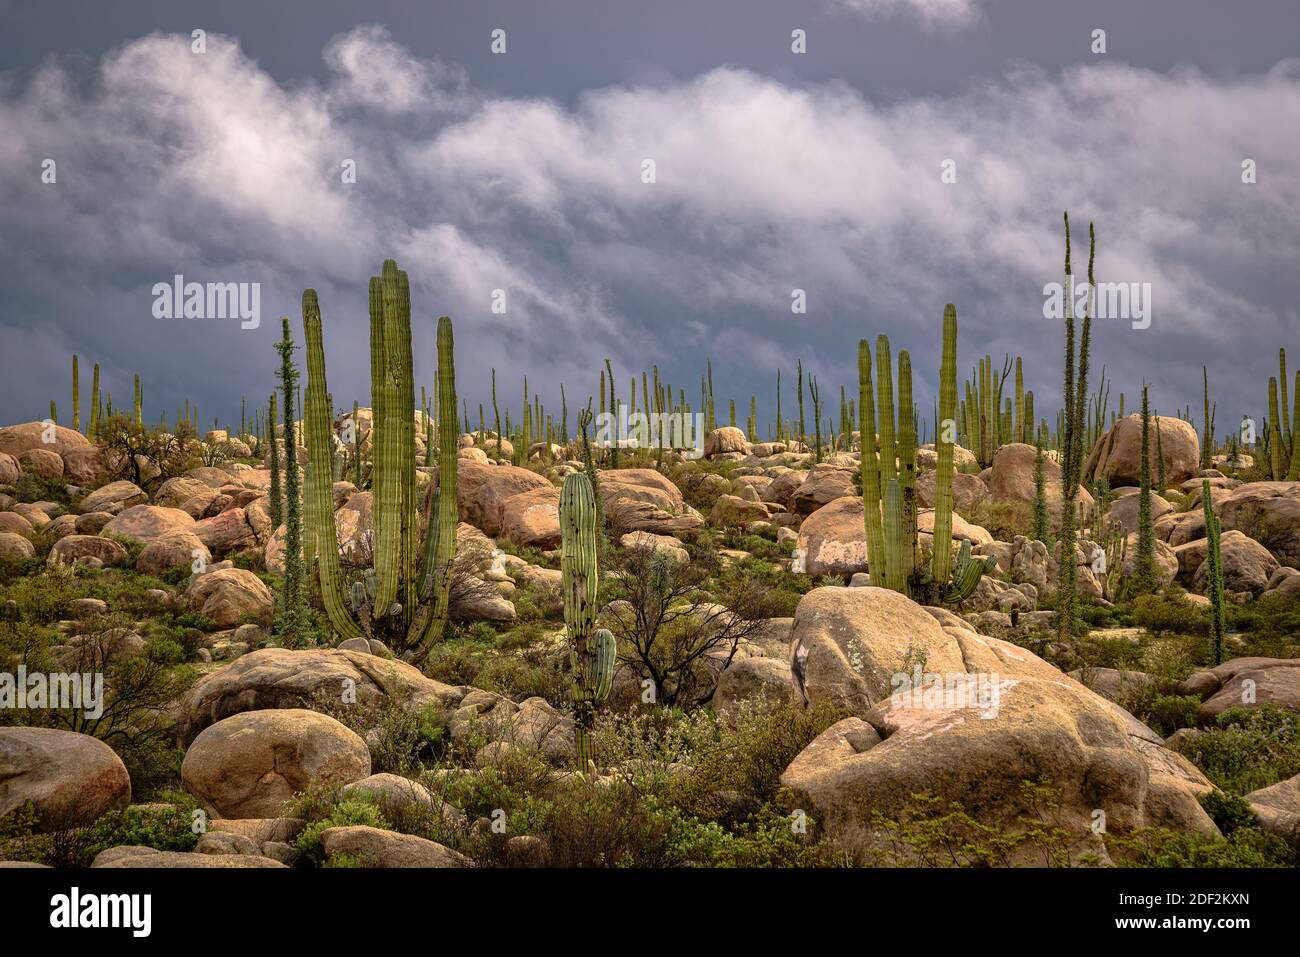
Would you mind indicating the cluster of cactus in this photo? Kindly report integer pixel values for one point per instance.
(1280, 440)
(888, 470)
(405, 598)
(592, 651)
(1214, 584)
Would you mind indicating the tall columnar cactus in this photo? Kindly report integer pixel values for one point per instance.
(592, 651)
(941, 557)
(1144, 569)
(139, 406)
(94, 403)
(948, 583)
(292, 604)
(1214, 585)
(1274, 433)
(356, 442)
(406, 599)
(1207, 437)
(76, 396)
(277, 495)
(1074, 425)
(1285, 426)
(1293, 473)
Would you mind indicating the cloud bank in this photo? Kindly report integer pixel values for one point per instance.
(203, 164)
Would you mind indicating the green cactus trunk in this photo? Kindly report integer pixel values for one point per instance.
(592, 653)
(320, 516)
(1215, 583)
(277, 496)
(94, 404)
(941, 556)
(76, 396)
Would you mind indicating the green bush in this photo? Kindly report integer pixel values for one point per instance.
(1248, 748)
(1228, 811)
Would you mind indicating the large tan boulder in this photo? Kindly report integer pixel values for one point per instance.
(231, 597)
(1247, 683)
(986, 717)
(823, 485)
(968, 491)
(172, 551)
(726, 440)
(71, 548)
(643, 500)
(833, 539)
(226, 532)
(17, 439)
(1011, 479)
(115, 496)
(248, 765)
(531, 518)
(482, 489)
(280, 678)
(374, 847)
(1268, 512)
(146, 523)
(70, 778)
(131, 856)
(1124, 511)
(175, 492)
(9, 469)
(1117, 457)
(16, 524)
(85, 465)
(15, 547)
(48, 465)
(751, 679)
(1247, 565)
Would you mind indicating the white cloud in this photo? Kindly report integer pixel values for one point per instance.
(947, 13)
(374, 71)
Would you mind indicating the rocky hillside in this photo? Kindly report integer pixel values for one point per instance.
(768, 705)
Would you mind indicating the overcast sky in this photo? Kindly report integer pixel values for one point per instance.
(523, 172)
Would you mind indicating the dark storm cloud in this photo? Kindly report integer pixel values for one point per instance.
(222, 168)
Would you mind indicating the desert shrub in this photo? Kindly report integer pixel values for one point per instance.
(1004, 519)
(1248, 748)
(1161, 848)
(753, 747)
(402, 739)
(349, 812)
(1166, 713)
(167, 827)
(1228, 811)
(1168, 611)
(30, 487)
(934, 832)
(1272, 621)
(519, 677)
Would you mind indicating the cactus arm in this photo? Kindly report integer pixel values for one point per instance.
(869, 467)
(580, 587)
(440, 558)
(320, 516)
(907, 461)
(388, 505)
(941, 556)
(894, 544)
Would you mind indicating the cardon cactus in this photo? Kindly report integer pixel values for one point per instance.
(405, 599)
(592, 651)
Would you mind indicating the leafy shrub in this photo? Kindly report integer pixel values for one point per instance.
(1248, 749)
